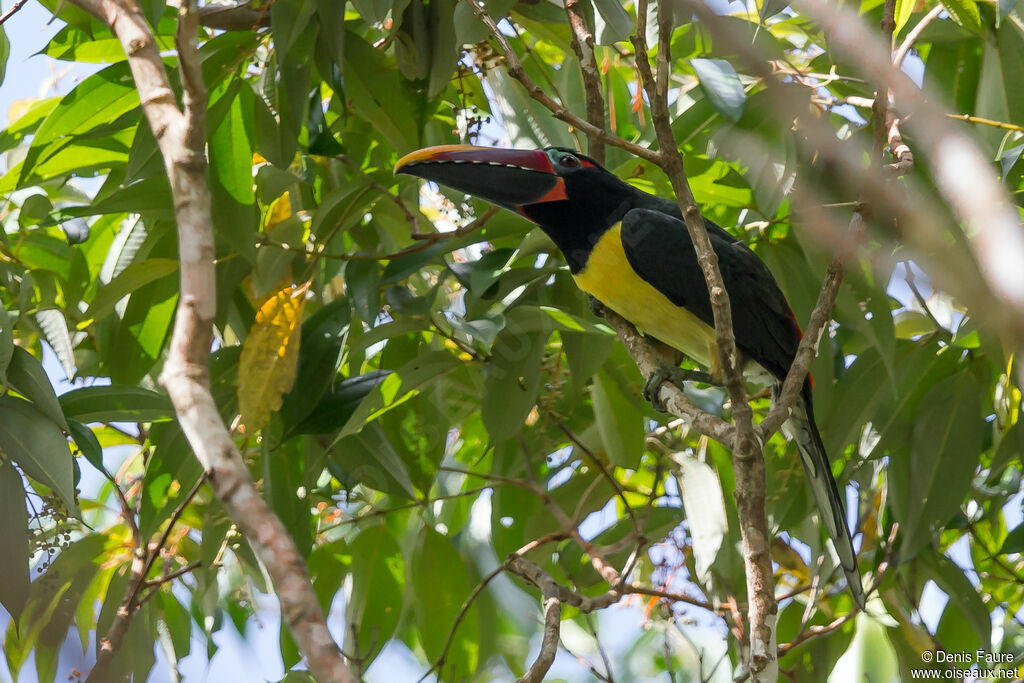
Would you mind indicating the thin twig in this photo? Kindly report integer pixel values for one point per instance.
(817, 631)
(605, 473)
(466, 229)
(915, 33)
(985, 122)
(911, 281)
(604, 655)
(410, 216)
(515, 70)
(439, 662)
(11, 12)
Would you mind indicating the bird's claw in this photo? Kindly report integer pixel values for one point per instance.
(596, 307)
(673, 374)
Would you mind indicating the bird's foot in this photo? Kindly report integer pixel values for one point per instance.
(596, 307)
(675, 375)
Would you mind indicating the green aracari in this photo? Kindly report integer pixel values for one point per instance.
(631, 251)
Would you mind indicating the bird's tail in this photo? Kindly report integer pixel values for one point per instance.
(802, 429)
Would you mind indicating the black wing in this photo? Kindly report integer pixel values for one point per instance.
(659, 249)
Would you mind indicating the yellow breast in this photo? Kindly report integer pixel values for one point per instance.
(609, 278)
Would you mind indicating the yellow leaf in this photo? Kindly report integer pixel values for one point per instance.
(270, 356)
(280, 209)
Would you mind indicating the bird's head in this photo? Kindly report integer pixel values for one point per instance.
(534, 183)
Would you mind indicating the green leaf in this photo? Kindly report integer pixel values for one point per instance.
(440, 580)
(154, 10)
(468, 29)
(618, 25)
(722, 85)
(909, 324)
(965, 604)
(871, 656)
(369, 458)
(341, 209)
(36, 443)
(136, 340)
(81, 159)
(402, 385)
(904, 8)
(99, 99)
(965, 13)
(376, 94)
(27, 376)
(332, 32)
(284, 470)
(290, 20)
(1001, 82)
(128, 281)
(362, 282)
(87, 442)
(320, 354)
(27, 123)
(1014, 542)
(235, 215)
(769, 8)
(150, 196)
(956, 67)
(171, 472)
(5, 53)
(231, 149)
(944, 449)
(444, 54)
(6, 343)
(177, 622)
(378, 584)
(114, 403)
(74, 45)
(513, 379)
(336, 406)
(14, 575)
(619, 422)
(54, 595)
(41, 251)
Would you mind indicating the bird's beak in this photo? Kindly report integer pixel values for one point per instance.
(511, 178)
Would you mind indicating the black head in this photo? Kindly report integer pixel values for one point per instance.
(568, 194)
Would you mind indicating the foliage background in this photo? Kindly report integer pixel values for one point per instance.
(451, 391)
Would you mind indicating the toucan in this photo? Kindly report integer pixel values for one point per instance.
(632, 252)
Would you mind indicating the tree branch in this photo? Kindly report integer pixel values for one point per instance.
(677, 402)
(583, 46)
(181, 137)
(748, 461)
(11, 12)
(234, 17)
(915, 33)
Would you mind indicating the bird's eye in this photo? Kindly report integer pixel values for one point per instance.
(568, 161)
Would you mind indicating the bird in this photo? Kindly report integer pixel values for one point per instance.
(631, 251)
